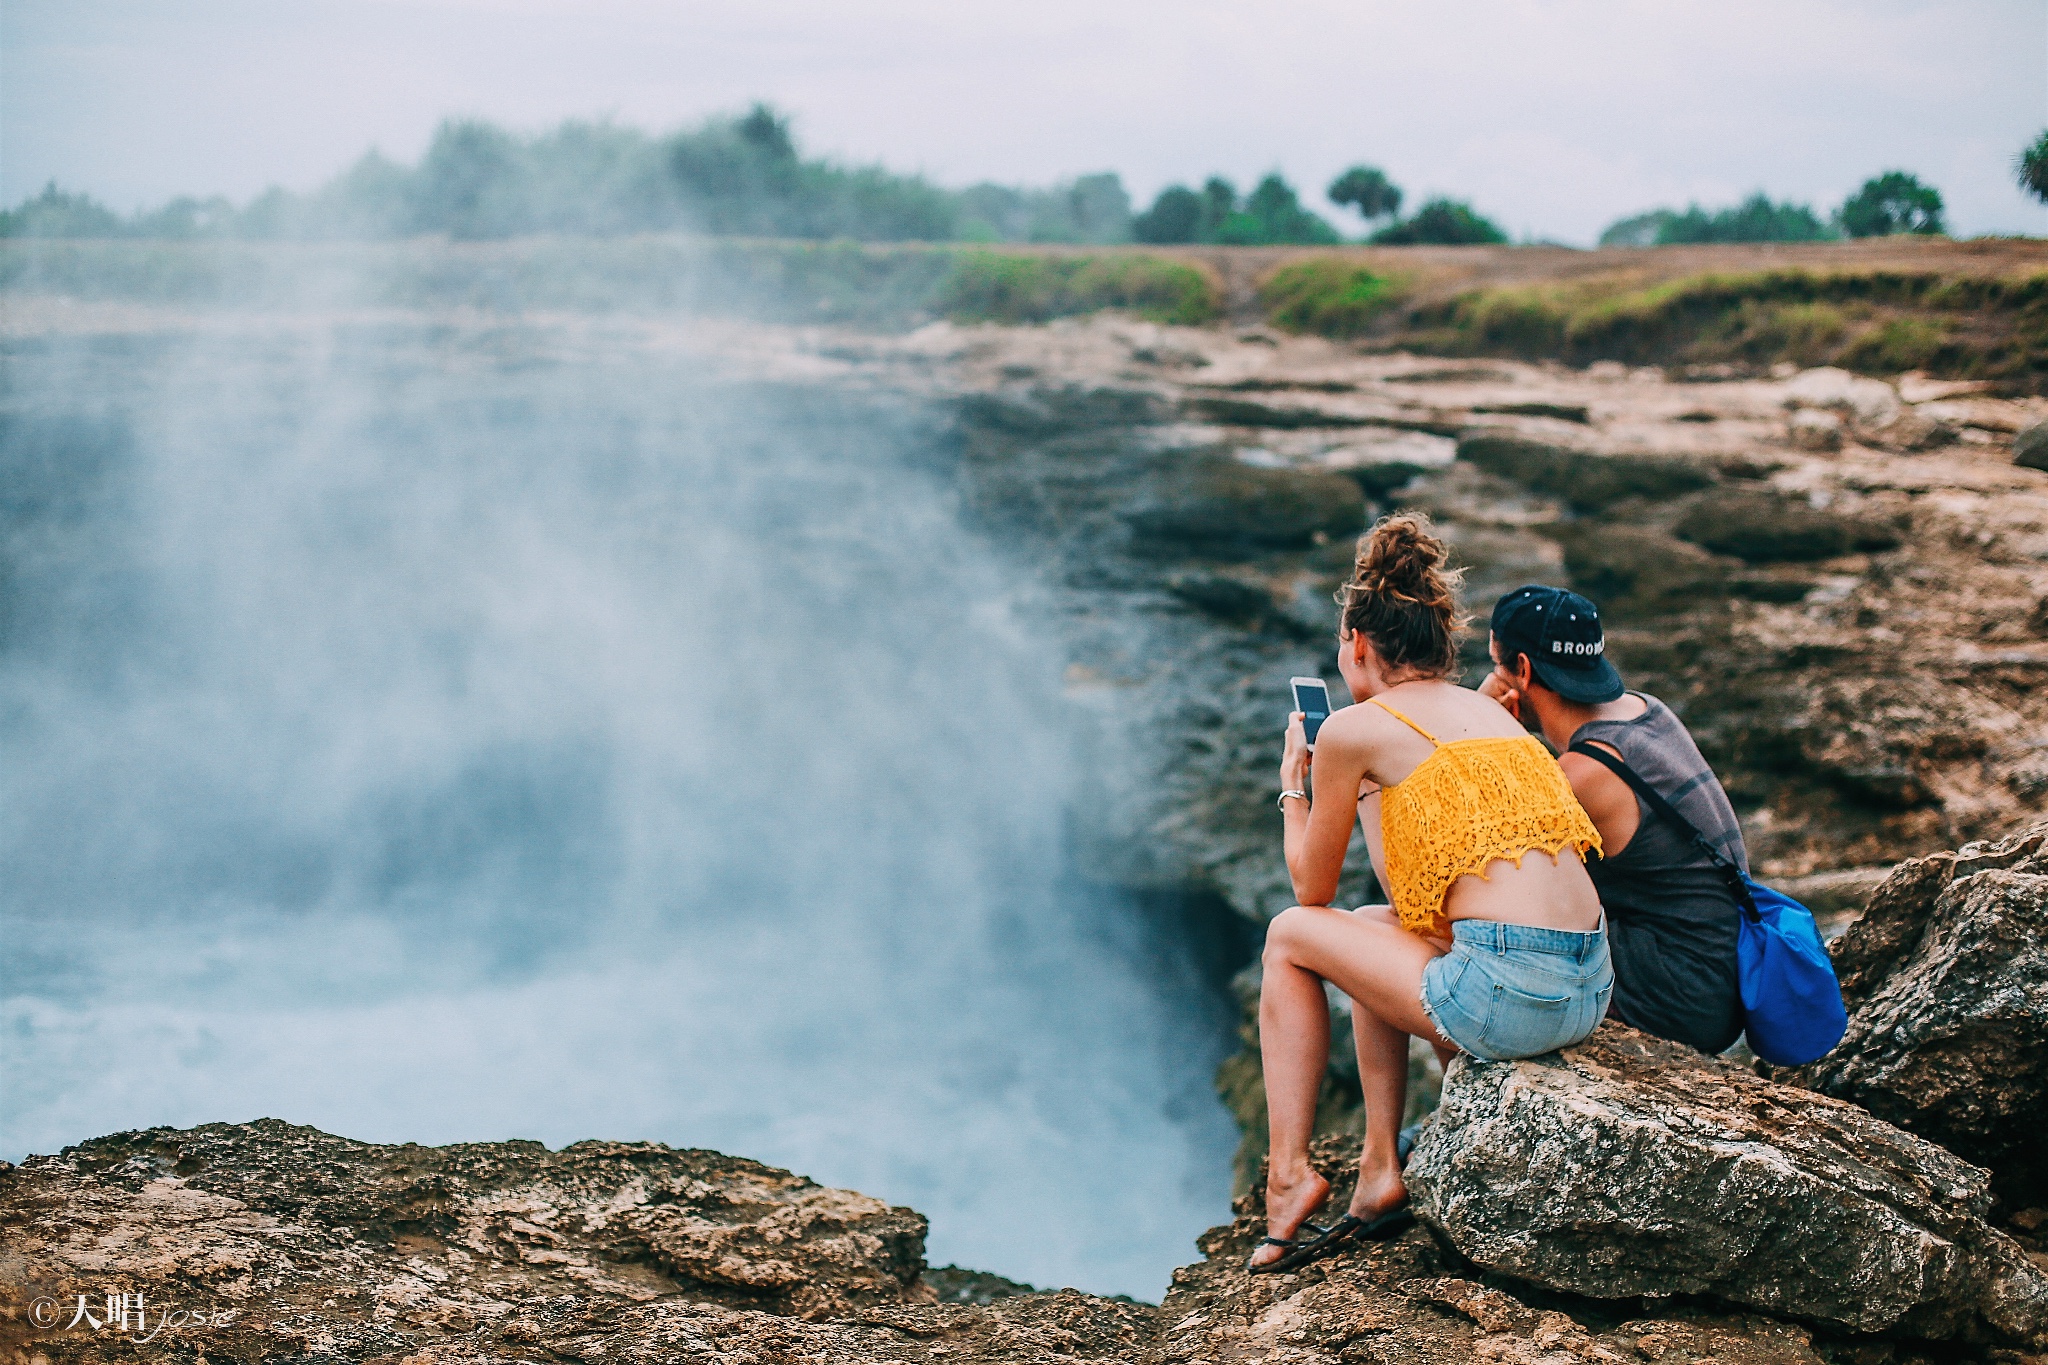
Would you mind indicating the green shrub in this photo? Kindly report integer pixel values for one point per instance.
(1763, 332)
(1892, 203)
(1271, 215)
(1442, 222)
(1327, 295)
(1640, 229)
(1366, 189)
(1898, 344)
(1175, 217)
(53, 213)
(1755, 219)
(1281, 219)
(1093, 209)
(1524, 321)
(991, 286)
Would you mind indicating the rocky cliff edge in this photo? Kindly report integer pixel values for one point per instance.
(1625, 1200)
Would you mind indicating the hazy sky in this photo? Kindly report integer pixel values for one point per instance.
(1553, 116)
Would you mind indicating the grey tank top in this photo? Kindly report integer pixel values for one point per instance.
(1671, 919)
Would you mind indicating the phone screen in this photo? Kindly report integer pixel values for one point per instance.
(1312, 699)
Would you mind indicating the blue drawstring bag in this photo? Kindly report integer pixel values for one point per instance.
(1791, 1000)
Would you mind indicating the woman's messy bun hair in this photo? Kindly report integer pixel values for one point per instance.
(1404, 597)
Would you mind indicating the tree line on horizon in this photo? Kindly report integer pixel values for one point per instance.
(1886, 205)
(744, 175)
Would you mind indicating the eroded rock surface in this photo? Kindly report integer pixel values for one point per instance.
(1858, 636)
(296, 1244)
(301, 1246)
(1946, 976)
(1629, 1166)
(1415, 1300)
(1624, 1203)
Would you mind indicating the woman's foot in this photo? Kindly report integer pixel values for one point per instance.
(1380, 1202)
(1290, 1199)
(1378, 1192)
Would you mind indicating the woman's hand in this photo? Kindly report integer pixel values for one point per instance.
(1294, 756)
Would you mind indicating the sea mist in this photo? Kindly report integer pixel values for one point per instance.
(443, 726)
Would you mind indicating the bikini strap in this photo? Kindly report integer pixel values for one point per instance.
(1403, 719)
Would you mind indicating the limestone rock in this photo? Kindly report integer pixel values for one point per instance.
(1815, 429)
(1869, 404)
(1223, 596)
(1783, 667)
(1916, 431)
(1052, 409)
(1586, 479)
(1562, 412)
(2030, 447)
(1630, 1166)
(1765, 528)
(1244, 412)
(1220, 504)
(1947, 975)
(292, 1242)
(1633, 570)
(1412, 1301)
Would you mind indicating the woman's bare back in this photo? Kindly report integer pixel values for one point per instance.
(1539, 889)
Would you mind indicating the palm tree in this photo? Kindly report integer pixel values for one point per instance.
(2031, 166)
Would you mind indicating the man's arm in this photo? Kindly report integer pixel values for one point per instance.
(1607, 799)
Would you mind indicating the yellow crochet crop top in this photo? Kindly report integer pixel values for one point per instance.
(1472, 801)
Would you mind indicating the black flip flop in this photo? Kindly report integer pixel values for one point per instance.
(1392, 1223)
(1319, 1245)
(1404, 1143)
(1327, 1242)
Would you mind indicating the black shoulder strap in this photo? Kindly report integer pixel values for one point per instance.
(1730, 873)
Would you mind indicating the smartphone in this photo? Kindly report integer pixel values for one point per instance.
(1312, 699)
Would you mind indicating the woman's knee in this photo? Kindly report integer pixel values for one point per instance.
(1289, 934)
(1287, 931)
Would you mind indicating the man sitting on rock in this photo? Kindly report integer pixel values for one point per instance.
(1671, 920)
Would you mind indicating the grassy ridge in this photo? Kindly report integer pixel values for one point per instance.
(995, 286)
(1877, 318)
(1879, 321)
(1329, 296)
(774, 280)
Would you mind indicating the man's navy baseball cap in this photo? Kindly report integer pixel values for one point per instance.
(1560, 632)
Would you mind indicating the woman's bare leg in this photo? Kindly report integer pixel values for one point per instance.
(1383, 1062)
(1383, 1076)
(1294, 1049)
(1379, 965)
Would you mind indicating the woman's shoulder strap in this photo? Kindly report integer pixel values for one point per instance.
(1403, 719)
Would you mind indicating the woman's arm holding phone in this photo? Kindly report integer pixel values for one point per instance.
(1318, 834)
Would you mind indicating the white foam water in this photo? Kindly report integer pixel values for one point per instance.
(434, 732)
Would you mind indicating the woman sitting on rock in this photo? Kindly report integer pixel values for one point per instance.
(1483, 949)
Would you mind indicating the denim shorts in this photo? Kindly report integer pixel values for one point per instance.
(1512, 990)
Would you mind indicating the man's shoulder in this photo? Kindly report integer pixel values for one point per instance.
(1645, 714)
